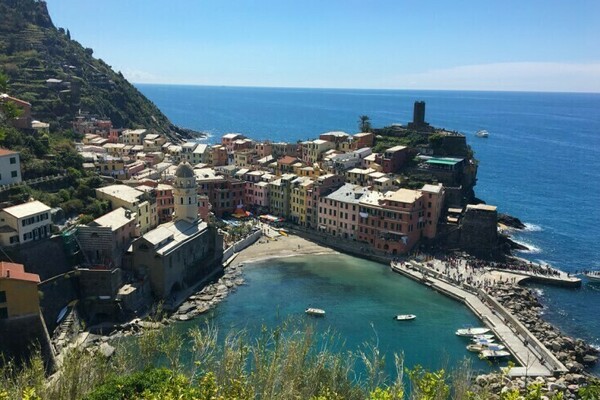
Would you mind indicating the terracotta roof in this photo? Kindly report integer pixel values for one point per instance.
(5, 152)
(287, 160)
(16, 271)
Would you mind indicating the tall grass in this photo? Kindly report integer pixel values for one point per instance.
(289, 362)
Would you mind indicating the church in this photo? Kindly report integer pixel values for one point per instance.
(177, 254)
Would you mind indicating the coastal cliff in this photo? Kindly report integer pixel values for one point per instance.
(61, 78)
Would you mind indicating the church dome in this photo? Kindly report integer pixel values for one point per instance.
(184, 170)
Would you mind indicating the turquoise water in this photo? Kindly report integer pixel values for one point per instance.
(541, 162)
(360, 298)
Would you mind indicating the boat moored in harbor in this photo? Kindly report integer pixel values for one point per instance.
(478, 347)
(490, 354)
(468, 332)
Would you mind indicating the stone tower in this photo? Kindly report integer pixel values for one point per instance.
(185, 195)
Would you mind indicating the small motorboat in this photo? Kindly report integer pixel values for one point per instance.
(593, 276)
(468, 332)
(317, 312)
(478, 348)
(405, 317)
(483, 337)
(482, 133)
(489, 354)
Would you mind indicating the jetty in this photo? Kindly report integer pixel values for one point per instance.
(533, 357)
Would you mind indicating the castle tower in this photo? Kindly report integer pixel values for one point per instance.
(185, 195)
(419, 113)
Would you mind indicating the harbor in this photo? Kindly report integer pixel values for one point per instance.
(534, 358)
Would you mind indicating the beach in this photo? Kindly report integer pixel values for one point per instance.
(275, 245)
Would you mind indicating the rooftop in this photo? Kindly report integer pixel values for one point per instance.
(432, 188)
(481, 207)
(349, 193)
(5, 152)
(114, 219)
(403, 195)
(395, 149)
(444, 160)
(123, 192)
(16, 271)
(169, 236)
(27, 209)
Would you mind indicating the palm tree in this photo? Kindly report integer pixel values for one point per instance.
(364, 123)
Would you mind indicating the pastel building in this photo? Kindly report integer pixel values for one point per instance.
(434, 196)
(339, 211)
(393, 222)
(279, 195)
(133, 136)
(18, 291)
(10, 167)
(24, 223)
(137, 201)
(299, 193)
(392, 159)
(322, 186)
(312, 150)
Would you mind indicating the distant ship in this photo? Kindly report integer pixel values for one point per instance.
(482, 133)
(593, 276)
(315, 311)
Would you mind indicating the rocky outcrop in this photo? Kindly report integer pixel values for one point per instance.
(510, 221)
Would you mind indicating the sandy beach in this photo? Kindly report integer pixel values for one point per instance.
(275, 245)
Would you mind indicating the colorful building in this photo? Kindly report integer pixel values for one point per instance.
(339, 211)
(393, 222)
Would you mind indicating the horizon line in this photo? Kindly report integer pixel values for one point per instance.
(363, 88)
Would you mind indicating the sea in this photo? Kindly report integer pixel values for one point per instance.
(541, 162)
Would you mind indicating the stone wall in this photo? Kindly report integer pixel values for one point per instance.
(479, 232)
(21, 335)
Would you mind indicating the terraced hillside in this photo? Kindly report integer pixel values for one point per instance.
(60, 77)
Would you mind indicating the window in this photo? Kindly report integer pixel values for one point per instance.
(13, 160)
(3, 297)
(3, 313)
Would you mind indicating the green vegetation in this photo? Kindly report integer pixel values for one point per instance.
(364, 123)
(285, 363)
(409, 138)
(32, 51)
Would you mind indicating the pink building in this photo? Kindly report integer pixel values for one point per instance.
(434, 199)
(394, 222)
(339, 211)
(164, 202)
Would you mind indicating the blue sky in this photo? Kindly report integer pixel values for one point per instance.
(429, 44)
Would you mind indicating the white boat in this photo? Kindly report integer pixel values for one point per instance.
(405, 317)
(494, 354)
(315, 311)
(593, 276)
(468, 332)
(482, 133)
(483, 337)
(477, 348)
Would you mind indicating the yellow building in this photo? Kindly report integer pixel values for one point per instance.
(141, 203)
(299, 193)
(18, 291)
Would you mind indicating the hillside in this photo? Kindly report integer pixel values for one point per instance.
(33, 51)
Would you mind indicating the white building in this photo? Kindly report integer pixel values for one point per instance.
(10, 167)
(24, 223)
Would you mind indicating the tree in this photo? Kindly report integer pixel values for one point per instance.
(364, 123)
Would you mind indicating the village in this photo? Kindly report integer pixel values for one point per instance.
(179, 209)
